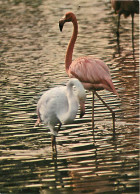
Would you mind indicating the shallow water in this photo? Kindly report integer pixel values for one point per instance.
(32, 60)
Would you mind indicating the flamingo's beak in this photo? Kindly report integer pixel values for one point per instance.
(61, 24)
(82, 109)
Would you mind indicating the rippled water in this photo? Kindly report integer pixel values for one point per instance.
(32, 55)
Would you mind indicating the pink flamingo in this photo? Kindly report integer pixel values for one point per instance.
(93, 73)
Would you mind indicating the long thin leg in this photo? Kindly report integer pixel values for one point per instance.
(54, 143)
(113, 113)
(54, 139)
(132, 26)
(59, 126)
(117, 32)
(118, 26)
(93, 93)
(133, 36)
(93, 110)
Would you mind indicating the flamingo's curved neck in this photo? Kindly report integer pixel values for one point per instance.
(68, 58)
(70, 115)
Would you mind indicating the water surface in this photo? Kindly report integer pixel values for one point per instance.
(32, 56)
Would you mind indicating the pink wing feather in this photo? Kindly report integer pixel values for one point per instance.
(93, 73)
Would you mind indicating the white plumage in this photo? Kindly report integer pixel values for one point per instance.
(59, 105)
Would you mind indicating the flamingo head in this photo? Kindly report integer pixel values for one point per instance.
(68, 17)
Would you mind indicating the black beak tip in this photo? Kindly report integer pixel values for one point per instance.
(61, 24)
(81, 115)
(60, 27)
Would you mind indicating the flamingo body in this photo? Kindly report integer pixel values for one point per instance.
(125, 7)
(93, 73)
(59, 105)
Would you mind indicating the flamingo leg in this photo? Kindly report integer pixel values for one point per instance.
(59, 126)
(112, 112)
(133, 36)
(93, 93)
(53, 140)
(132, 26)
(93, 110)
(118, 26)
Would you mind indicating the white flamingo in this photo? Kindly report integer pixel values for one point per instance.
(59, 105)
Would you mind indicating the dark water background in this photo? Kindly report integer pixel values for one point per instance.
(32, 52)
